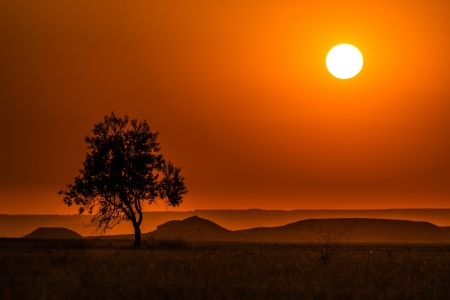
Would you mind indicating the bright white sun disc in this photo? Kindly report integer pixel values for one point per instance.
(344, 61)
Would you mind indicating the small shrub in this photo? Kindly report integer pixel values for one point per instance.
(326, 252)
(390, 254)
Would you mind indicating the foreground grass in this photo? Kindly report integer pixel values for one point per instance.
(111, 270)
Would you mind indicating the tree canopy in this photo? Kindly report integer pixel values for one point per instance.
(123, 168)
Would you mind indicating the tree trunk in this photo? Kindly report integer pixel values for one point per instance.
(137, 235)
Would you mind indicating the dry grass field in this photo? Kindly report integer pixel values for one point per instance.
(41, 269)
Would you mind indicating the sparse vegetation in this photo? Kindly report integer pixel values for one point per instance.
(150, 242)
(112, 270)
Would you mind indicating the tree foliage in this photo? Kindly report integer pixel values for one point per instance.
(123, 169)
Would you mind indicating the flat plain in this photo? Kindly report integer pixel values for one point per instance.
(107, 269)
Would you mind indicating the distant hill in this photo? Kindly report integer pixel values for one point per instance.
(352, 230)
(53, 233)
(20, 225)
(251, 218)
(345, 230)
(194, 228)
(446, 229)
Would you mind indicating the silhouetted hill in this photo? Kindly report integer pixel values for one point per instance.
(446, 229)
(352, 230)
(348, 230)
(252, 218)
(53, 233)
(194, 228)
(20, 225)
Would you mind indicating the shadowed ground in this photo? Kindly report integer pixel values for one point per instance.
(82, 269)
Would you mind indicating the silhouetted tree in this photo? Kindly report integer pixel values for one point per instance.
(122, 169)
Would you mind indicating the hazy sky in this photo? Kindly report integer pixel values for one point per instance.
(240, 94)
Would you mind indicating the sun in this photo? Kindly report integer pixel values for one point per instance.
(344, 61)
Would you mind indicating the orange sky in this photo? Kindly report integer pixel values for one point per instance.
(241, 97)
